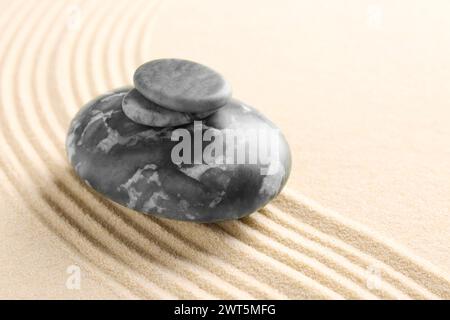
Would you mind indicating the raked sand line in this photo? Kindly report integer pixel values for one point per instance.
(75, 60)
(126, 51)
(6, 150)
(16, 201)
(366, 240)
(131, 285)
(80, 201)
(357, 258)
(331, 251)
(14, 171)
(292, 249)
(7, 22)
(60, 136)
(114, 73)
(298, 259)
(30, 148)
(119, 233)
(185, 248)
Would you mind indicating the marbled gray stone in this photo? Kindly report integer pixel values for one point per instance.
(133, 164)
(141, 110)
(182, 85)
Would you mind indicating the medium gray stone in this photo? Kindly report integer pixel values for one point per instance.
(133, 164)
(182, 85)
(143, 111)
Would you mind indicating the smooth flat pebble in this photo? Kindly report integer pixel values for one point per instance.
(143, 111)
(182, 85)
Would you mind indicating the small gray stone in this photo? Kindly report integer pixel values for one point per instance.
(133, 164)
(143, 111)
(182, 85)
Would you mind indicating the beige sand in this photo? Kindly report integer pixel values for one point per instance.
(359, 88)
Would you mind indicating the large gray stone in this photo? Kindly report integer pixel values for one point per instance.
(143, 111)
(133, 164)
(182, 85)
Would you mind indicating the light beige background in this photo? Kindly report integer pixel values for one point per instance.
(360, 89)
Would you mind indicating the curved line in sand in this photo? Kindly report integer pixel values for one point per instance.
(37, 160)
(14, 174)
(43, 92)
(300, 274)
(118, 77)
(18, 133)
(359, 236)
(344, 258)
(98, 219)
(218, 280)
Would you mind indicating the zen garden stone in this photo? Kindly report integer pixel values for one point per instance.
(143, 111)
(202, 164)
(182, 85)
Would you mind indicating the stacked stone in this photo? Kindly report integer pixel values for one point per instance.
(173, 92)
(126, 145)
